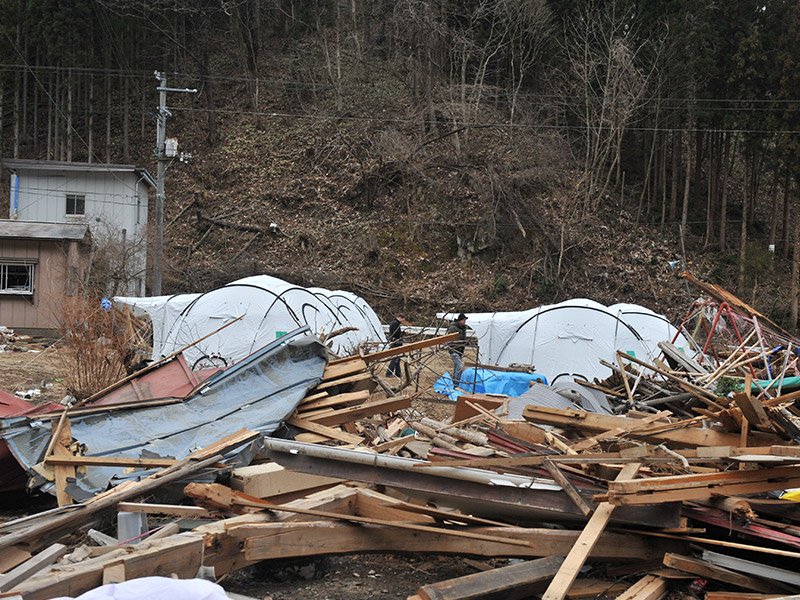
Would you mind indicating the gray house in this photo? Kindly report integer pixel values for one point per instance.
(111, 199)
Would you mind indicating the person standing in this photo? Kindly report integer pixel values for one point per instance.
(457, 346)
(395, 341)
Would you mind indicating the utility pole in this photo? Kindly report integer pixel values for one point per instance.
(162, 156)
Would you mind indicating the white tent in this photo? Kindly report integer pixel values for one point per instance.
(568, 340)
(268, 307)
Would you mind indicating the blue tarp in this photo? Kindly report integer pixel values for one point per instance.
(485, 381)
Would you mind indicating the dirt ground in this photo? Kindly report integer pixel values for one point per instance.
(358, 577)
(33, 366)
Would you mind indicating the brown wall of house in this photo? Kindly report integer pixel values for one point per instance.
(51, 282)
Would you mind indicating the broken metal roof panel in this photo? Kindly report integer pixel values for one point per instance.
(39, 230)
(264, 389)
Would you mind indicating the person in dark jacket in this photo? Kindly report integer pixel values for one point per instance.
(457, 346)
(395, 341)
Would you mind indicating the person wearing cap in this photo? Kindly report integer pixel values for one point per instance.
(457, 346)
(395, 341)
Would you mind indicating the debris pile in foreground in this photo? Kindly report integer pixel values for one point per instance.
(678, 494)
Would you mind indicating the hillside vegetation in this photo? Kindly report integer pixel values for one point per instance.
(488, 155)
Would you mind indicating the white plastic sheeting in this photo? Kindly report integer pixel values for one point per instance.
(568, 340)
(269, 307)
(155, 588)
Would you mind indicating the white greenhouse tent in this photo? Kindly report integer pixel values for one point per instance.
(569, 339)
(268, 307)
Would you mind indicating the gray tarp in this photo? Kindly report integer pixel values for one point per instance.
(256, 394)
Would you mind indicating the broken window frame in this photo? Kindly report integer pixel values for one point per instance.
(17, 277)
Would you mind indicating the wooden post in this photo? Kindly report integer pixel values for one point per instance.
(566, 575)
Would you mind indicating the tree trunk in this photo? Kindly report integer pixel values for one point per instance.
(126, 119)
(70, 116)
(787, 182)
(108, 115)
(687, 186)
(677, 137)
(795, 269)
(90, 118)
(743, 234)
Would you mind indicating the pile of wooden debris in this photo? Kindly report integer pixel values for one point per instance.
(680, 493)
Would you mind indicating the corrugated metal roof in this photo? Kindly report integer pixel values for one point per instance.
(38, 230)
(16, 164)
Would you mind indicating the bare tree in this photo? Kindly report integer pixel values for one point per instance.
(605, 75)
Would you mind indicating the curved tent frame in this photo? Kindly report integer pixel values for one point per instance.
(568, 340)
(269, 308)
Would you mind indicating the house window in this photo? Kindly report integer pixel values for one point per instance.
(76, 205)
(16, 278)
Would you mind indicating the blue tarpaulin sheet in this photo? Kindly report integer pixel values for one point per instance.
(485, 381)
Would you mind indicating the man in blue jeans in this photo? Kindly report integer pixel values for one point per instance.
(457, 346)
(396, 340)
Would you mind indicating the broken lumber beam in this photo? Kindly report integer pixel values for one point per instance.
(577, 556)
(224, 552)
(708, 570)
(266, 540)
(30, 567)
(271, 479)
(370, 358)
(367, 409)
(40, 534)
(504, 583)
(683, 436)
(330, 433)
(219, 496)
(649, 587)
(697, 486)
(180, 554)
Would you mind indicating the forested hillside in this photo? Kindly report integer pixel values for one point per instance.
(480, 155)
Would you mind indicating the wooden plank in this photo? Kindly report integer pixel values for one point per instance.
(504, 583)
(632, 426)
(370, 358)
(188, 512)
(411, 526)
(346, 398)
(701, 485)
(12, 557)
(465, 411)
(354, 380)
(342, 369)
(567, 486)
(588, 587)
(330, 433)
(30, 567)
(649, 587)
(266, 541)
(38, 534)
(686, 437)
(114, 573)
(752, 409)
(361, 411)
(181, 554)
(108, 461)
(588, 538)
(380, 502)
(63, 440)
(224, 552)
(709, 571)
(271, 479)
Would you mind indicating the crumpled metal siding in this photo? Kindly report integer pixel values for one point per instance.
(257, 394)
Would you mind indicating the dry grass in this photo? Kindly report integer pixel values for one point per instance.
(95, 345)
